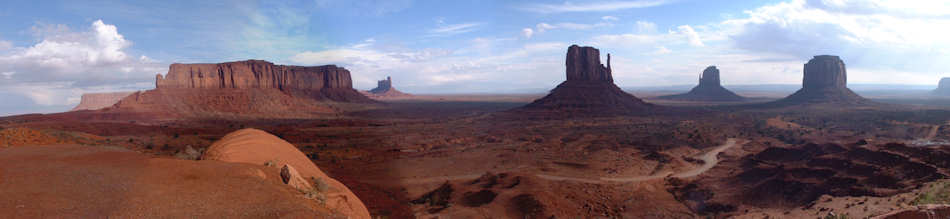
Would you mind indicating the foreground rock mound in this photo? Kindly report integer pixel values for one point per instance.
(589, 88)
(251, 88)
(825, 81)
(76, 181)
(709, 89)
(94, 101)
(385, 89)
(943, 88)
(257, 147)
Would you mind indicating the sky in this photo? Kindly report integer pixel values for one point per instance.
(53, 51)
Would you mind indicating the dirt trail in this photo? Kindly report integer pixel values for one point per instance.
(710, 160)
(933, 131)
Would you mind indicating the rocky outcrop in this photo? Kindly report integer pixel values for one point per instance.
(825, 81)
(709, 89)
(256, 147)
(385, 90)
(94, 101)
(943, 88)
(589, 89)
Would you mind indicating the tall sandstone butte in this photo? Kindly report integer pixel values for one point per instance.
(943, 88)
(825, 81)
(95, 101)
(251, 88)
(709, 89)
(589, 88)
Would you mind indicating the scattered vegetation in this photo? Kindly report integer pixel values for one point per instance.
(938, 193)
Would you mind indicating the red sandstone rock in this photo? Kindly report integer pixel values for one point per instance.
(254, 74)
(589, 88)
(94, 101)
(292, 178)
(250, 88)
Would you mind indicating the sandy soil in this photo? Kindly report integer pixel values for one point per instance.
(97, 181)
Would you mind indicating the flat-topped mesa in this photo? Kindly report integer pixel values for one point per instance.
(825, 81)
(589, 89)
(254, 74)
(943, 88)
(709, 89)
(825, 71)
(583, 64)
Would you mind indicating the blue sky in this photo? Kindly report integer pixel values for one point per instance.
(53, 51)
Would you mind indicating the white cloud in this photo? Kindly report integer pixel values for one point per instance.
(542, 27)
(454, 29)
(527, 32)
(691, 35)
(609, 18)
(899, 34)
(646, 27)
(591, 6)
(662, 50)
(63, 62)
(5, 45)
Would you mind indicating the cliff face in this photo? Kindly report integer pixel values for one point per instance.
(583, 64)
(94, 101)
(589, 89)
(710, 77)
(254, 74)
(825, 72)
(709, 89)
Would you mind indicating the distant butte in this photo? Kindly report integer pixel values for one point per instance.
(589, 88)
(385, 89)
(709, 89)
(943, 88)
(825, 81)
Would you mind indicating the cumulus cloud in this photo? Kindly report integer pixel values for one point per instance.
(872, 34)
(65, 63)
(691, 35)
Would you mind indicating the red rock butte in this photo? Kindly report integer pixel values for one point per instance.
(825, 81)
(251, 88)
(589, 88)
(709, 89)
